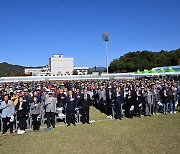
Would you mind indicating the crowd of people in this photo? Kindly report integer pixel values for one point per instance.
(116, 98)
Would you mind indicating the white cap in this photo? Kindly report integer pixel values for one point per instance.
(47, 90)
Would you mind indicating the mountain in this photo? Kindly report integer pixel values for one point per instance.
(141, 60)
(12, 70)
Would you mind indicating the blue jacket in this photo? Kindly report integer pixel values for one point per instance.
(118, 99)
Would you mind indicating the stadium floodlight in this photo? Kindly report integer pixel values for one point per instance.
(105, 37)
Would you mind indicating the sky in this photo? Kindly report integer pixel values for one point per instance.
(31, 31)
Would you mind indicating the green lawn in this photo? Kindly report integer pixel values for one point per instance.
(156, 134)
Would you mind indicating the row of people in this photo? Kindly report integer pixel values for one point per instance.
(23, 107)
(144, 96)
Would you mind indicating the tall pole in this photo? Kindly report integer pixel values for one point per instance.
(107, 57)
(105, 37)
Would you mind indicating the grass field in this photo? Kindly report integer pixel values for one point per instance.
(156, 134)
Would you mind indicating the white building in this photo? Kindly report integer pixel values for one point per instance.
(58, 66)
(37, 71)
(81, 70)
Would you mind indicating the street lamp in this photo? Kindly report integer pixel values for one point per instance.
(105, 37)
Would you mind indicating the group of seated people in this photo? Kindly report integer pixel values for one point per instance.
(116, 98)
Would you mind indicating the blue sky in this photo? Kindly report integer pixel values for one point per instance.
(32, 30)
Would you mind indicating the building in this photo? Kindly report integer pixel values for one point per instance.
(37, 71)
(58, 66)
(81, 70)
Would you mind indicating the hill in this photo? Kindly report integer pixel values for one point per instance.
(12, 70)
(141, 60)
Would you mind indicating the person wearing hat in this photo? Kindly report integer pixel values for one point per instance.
(8, 111)
(50, 105)
(45, 95)
(26, 93)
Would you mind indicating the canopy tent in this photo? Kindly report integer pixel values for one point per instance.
(170, 70)
(162, 71)
(145, 71)
(153, 71)
(138, 72)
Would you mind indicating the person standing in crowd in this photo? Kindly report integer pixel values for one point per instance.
(35, 93)
(65, 91)
(156, 98)
(27, 94)
(45, 95)
(78, 96)
(50, 105)
(118, 101)
(70, 108)
(165, 101)
(102, 95)
(36, 113)
(85, 106)
(137, 99)
(148, 101)
(174, 100)
(7, 115)
(14, 98)
(61, 98)
(129, 103)
(21, 109)
(170, 99)
(109, 99)
(95, 97)
(39, 95)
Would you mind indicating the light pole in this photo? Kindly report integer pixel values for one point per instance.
(105, 37)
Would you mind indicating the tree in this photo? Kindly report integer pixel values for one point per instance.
(133, 61)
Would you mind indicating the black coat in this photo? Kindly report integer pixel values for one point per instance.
(71, 104)
(164, 99)
(61, 102)
(85, 103)
(23, 112)
(129, 101)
